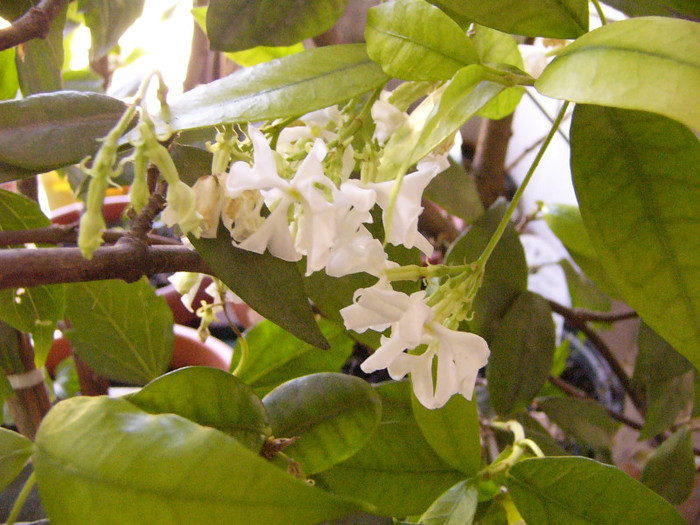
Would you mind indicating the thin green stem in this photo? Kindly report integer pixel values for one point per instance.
(21, 498)
(484, 257)
(598, 8)
(547, 115)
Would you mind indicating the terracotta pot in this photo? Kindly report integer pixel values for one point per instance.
(112, 210)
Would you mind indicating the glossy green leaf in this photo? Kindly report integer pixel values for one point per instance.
(548, 18)
(396, 471)
(506, 269)
(455, 191)
(665, 402)
(583, 419)
(657, 361)
(333, 415)
(636, 177)
(497, 48)
(272, 287)
(107, 21)
(522, 350)
(275, 356)
(45, 132)
(414, 40)
(285, 87)
(453, 432)
(580, 491)
(650, 64)
(677, 8)
(670, 470)
(33, 310)
(210, 397)
(457, 506)
(113, 336)
(463, 96)
(234, 25)
(15, 451)
(9, 85)
(122, 466)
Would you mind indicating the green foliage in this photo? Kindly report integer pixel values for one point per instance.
(332, 415)
(583, 492)
(9, 85)
(15, 451)
(642, 221)
(211, 398)
(144, 468)
(455, 191)
(678, 8)
(107, 21)
(454, 507)
(583, 419)
(111, 334)
(670, 471)
(609, 66)
(234, 25)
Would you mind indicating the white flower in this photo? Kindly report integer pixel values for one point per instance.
(210, 199)
(187, 285)
(182, 209)
(460, 355)
(387, 117)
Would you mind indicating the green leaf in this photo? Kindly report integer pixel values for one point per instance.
(15, 451)
(580, 491)
(665, 401)
(642, 220)
(457, 506)
(9, 85)
(584, 293)
(107, 21)
(285, 87)
(211, 398)
(45, 132)
(547, 18)
(413, 40)
(670, 471)
(122, 466)
(455, 191)
(566, 223)
(453, 432)
(462, 97)
(506, 269)
(396, 471)
(585, 420)
(33, 310)
(522, 350)
(113, 336)
(657, 361)
(234, 25)
(333, 415)
(272, 287)
(275, 356)
(677, 8)
(535, 431)
(499, 48)
(650, 64)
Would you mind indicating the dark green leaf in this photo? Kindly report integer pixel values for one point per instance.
(453, 432)
(678, 8)
(9, 85)
(506, 270)
(636, 177)
(583, 419)
(285, 87)
(657, 361)
(333, 415)
(272, 287)
(276, 356)
(107, 21)
(101, 460)
(396, 471)
(111, 333)
(210, 397)
(191, 162)
(665, 401)
(414, 40)
(45, 132)
(234, 25)
(580, 491)
(670, 471)
(15, 450)
(457, 506)
(535, 431)
(522, 349)
(650, 64)
(455, 190)
(9, 173)
(549, 18)
(584, 293)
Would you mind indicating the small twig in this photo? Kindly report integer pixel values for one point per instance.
(589, 315)
(35, 23)
(142, 223)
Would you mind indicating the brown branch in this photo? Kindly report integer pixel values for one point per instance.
(67, 234)
(490, 159)
(35, 23)
(128, 261)
(581, 324)
(589, 315)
